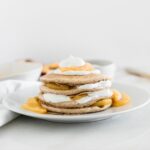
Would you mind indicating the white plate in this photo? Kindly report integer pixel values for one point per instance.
(139, 98)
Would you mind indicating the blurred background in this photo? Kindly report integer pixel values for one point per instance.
(47, 30)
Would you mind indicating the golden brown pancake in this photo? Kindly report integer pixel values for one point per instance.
(83, 110)
(69, 104)
(73, 79)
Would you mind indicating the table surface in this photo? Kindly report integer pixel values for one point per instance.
(128, 131)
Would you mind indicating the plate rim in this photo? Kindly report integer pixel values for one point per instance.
(91, 116)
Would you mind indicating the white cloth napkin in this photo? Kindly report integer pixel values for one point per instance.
(7, 87)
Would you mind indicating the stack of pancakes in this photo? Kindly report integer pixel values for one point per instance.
(75, 94)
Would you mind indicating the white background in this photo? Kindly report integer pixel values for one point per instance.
(47, 30)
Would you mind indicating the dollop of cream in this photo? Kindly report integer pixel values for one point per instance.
(72, 62)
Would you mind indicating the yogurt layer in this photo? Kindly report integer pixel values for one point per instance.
(55, 98)
(100, 85)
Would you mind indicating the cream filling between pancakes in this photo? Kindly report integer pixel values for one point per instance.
(55, 98)
(57, 71)
(100, 85)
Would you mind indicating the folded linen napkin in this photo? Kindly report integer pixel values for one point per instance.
(7, 87)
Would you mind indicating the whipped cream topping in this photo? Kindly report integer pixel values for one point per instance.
(99, 85)
(55, 98)
(72, 62)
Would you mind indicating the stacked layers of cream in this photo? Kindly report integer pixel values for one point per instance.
(75, 88)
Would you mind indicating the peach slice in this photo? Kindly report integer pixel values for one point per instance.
(58, 86)
(86, 67)
(104, 102)
(34, 105)
(119, 99)
(48, 67)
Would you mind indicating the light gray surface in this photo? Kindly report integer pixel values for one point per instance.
(125, 132)
(130, 131)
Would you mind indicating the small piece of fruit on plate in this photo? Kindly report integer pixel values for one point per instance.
(119, 99)
(48, 67)
(34, 105)
(103, 102)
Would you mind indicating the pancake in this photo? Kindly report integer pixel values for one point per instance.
(71, 104)
(45, 89)
(84, 110)
(73, 79)
(78, 103)
(64, 89)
